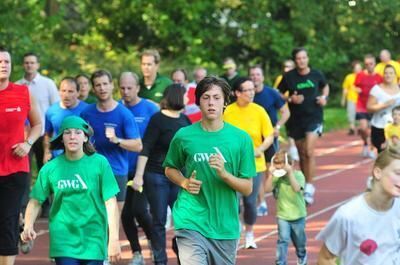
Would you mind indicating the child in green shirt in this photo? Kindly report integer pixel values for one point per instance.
(288, 185)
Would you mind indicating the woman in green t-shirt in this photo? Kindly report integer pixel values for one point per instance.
(84, 209)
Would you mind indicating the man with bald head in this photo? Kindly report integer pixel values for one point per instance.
(135, 206)
(386, 59)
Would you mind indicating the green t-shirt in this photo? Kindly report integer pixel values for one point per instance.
(78, 216)
(290, 204)
(155, 92)
(214, 211)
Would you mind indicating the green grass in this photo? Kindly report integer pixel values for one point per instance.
(335, 118)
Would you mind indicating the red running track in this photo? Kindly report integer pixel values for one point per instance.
(341, 174)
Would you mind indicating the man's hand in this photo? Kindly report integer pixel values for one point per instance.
(296, 99)
(192, 185)
(21, 149)
(321, 100)
(28, 234)
(114, 251)
(217, 162)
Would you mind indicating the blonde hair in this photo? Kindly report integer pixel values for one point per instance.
(281, 156)
(392, 152)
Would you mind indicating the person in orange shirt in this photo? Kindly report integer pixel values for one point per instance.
(350, 95)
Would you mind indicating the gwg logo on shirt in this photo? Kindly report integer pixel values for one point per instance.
(204, 157)
(77, 183)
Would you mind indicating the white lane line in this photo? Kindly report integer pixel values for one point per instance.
(311, 216)
(340, 147)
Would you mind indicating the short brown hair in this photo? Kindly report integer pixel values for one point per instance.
(207, 83)
(152, 52)
(173, 97)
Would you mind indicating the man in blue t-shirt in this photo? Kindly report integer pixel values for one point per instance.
(115, 129)
(141, 108)
(136, 205)
(69, 105)
(271, 100)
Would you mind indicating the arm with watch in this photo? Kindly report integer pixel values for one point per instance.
(133, 145)
(285, 114)
(22, 149)
(323, 98)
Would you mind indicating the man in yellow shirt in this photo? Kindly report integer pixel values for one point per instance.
(254, 120)
(350, 95)
(386, 59)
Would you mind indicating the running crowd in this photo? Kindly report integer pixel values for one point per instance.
(193, 151)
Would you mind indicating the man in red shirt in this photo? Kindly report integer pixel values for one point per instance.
(365, 80)
(16, 106)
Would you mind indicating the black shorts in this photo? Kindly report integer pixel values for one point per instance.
(299, 131)
(377, 138)
(363, 116)
(12, 188)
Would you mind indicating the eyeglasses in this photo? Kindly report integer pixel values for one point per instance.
(247, 90)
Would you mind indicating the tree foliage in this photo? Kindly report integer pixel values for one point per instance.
(75, 36)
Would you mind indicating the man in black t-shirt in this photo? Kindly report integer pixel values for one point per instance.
(308, 93)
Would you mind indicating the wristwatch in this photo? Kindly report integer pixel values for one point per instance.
(118, 141)
(29, 141)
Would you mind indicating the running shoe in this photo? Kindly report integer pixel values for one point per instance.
(302, 261)
(262, 210)
(137, 259)
(365, 151)
(249, 241)
(294, 154)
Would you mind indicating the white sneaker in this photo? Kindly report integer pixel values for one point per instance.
(365, 151)
(262, 210)
(249, 241)
(137, 259)
(294, 154)
(371, 154)
(302, 261)
(309, 191)
(168, 223)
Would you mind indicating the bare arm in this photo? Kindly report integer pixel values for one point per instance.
(325, 257)
(268, 184)
(292, 179)
(31, 214)
(191, 185)
(323, 99)
(285, 114)
(264, 146)
(114, 248)
(134, 145)
(374, 106)
(140, 167)
(242, 185)
(22, 149)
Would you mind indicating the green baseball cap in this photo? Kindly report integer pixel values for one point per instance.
(71, 122)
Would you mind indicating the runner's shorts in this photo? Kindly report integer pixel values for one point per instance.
(12, 188)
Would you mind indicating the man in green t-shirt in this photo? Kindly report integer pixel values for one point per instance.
(219, 161)
(152, 84)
